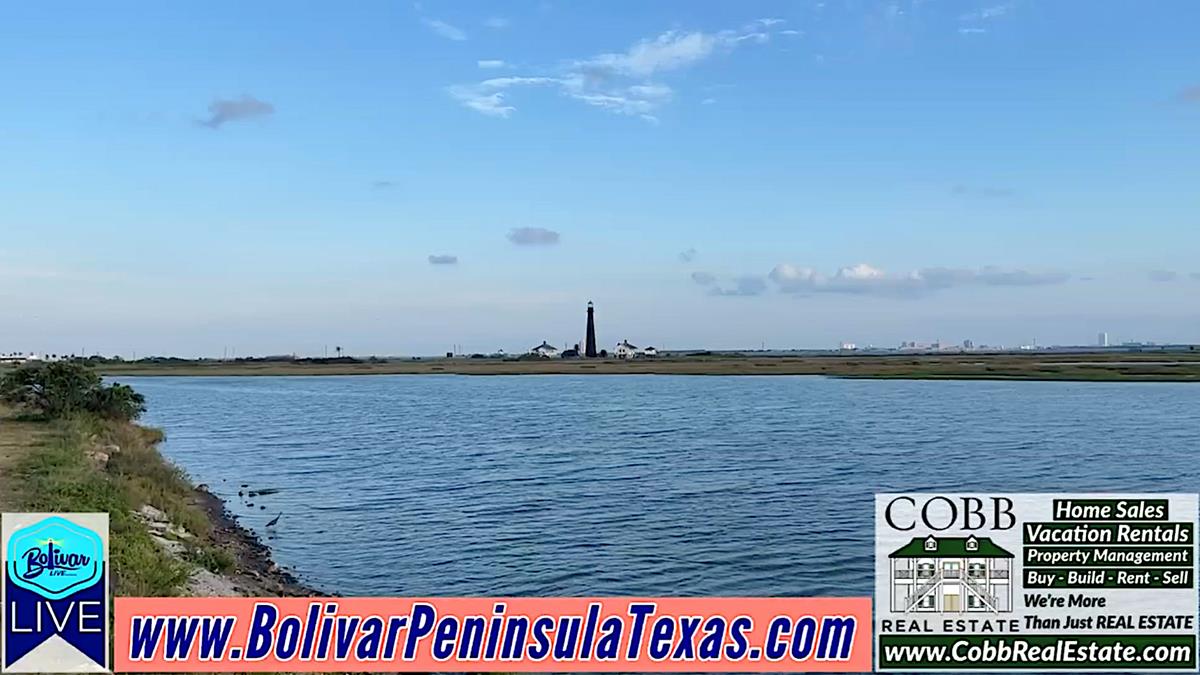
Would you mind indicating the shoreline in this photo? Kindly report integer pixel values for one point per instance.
(168, 536)
(256, 572)
(1175, 366)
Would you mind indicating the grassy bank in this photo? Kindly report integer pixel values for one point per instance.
(87, 464)
(1175, 366)
(69, 443)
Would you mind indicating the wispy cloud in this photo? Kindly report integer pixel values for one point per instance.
(687, 256)
(491, 64)
(1188, 95)
(704, 278)
(383, 184)
(619, 82)
(488, 97)
(221, 111)
(1163, 275)
(987, 13)
(533, 236)
(744, 286)
(497, 22)
(974, 22)
(445, 30)
(865, 279)
(443, 259)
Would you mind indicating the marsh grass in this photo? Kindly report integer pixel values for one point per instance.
(1177, 366)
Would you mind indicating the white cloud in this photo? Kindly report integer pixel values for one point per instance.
(670, 51)
(497, 22)
(488, 103)
(619, 82)
(865, 279)
(446, 30)
(487, 97)
(491, 64)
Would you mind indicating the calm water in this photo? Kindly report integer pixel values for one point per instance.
(615, 485)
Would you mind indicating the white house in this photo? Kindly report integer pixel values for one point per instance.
(545, 350)
(951, 574)
(18, 358)
(624, 350)
(649, 351)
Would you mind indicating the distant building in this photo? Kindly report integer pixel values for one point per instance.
(649, 351)
(625, 350)
(545, 350)
(968, 345)
(17, 358)
(1102, 340)
(848, 346)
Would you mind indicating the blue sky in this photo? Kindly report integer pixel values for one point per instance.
(397, 177)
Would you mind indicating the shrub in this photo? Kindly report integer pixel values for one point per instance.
(62, 388)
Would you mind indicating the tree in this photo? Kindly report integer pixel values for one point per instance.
(63, 388)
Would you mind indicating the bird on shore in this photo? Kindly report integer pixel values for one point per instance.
(271, 523)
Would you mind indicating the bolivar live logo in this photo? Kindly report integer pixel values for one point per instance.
(55, 592)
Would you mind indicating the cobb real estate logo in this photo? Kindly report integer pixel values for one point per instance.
(55, 594)
(1035, 582)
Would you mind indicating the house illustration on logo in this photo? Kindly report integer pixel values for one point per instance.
(951, 574)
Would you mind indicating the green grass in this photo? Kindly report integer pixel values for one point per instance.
(59, 476)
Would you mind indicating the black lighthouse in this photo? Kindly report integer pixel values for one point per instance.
(589, 349)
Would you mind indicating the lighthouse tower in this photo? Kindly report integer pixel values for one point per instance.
(589, 342)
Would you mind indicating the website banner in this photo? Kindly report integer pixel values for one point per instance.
(1053, 582)
(492, 634)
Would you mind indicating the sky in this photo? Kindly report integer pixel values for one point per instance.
(199, 179)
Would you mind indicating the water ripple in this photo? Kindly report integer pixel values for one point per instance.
(614, 485)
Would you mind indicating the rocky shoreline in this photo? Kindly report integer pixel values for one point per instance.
(255, 573)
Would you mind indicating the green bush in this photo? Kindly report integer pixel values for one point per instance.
(63, 388)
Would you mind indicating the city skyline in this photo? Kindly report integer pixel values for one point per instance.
(400, 177)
